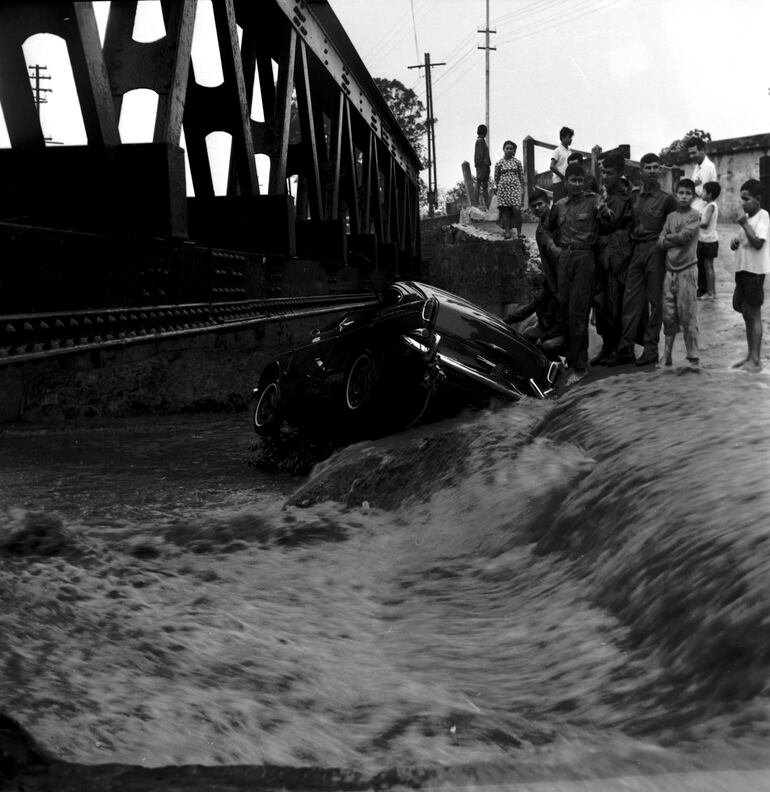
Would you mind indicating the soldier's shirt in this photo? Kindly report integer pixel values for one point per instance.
(577, 220)
(650, 210)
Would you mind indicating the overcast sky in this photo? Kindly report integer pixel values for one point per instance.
(641, 72)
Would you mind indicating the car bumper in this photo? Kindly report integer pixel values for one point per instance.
(450, 364)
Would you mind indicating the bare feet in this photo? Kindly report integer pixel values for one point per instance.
(574, 376)
(750, 365)
(741, 363)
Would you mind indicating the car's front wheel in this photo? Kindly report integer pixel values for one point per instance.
(267, 413)
(360, 381)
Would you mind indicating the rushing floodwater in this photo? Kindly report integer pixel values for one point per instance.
(575, 587)
(550, 583)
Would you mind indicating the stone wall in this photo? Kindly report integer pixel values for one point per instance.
(488, 272)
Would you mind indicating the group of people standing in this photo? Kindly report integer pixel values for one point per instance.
(508, 181)
(639, 257)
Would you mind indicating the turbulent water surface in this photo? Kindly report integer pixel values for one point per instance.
(542, 585)
(568, 588)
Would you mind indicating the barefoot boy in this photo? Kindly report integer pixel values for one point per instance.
(753, 263)
(679, 238)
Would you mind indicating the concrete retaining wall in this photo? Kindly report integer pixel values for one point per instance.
(213, 371)
(487, 272)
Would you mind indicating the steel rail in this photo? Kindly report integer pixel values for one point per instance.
(102, 337)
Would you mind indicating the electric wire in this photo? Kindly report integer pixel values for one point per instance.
(414, 30)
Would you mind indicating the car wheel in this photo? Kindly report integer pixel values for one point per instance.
(360, 380)
(267, 413)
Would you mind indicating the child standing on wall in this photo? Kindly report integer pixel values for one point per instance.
(509, 185)
(753, 263)
(482, 163)
(559, 162)
(708, 238)
(679, 238)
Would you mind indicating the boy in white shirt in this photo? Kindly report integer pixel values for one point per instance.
(753, 263)
(559, 163)
(708, 240)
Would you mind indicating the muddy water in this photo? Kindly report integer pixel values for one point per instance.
(579, 587)
(582, 581)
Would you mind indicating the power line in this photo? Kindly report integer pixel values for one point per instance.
(414, 30)
(584, 7)
(529, 30)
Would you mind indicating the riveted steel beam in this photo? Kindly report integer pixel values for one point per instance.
(323, 35)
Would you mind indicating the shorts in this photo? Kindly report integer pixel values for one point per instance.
(707, 250)
(749, 290)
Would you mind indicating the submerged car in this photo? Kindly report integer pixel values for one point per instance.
(381, 368)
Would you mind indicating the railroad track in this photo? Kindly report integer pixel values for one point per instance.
(34, 336)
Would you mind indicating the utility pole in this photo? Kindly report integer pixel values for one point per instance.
(486, 47)
(430, 123)
(39, 91)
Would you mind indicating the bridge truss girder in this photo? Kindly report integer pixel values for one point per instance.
(357, 176)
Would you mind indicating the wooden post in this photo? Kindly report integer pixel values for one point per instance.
(596, 153)
(468, 179)
(528, 163)
(764, 177)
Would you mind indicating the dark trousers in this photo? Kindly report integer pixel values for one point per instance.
(576, 290)
(608, 308)
(644, 287)
(611, 264)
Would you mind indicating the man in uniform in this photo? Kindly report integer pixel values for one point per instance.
(644, 279)
(613, 254)
(575, 221)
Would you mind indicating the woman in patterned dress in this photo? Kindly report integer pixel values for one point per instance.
(509, 181)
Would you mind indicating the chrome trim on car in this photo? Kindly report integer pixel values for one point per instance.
(534, 386)
(506, 390)
(495, 347)
(553, 372)
(423, 349)
(415, 344)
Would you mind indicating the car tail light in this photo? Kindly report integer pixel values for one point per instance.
(430, 310)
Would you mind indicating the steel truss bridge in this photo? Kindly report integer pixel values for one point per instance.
(100, 243)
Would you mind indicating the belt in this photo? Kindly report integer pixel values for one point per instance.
(577, 246)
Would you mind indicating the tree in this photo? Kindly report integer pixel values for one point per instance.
(457, 193)
(676, 152)
(408, 110)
